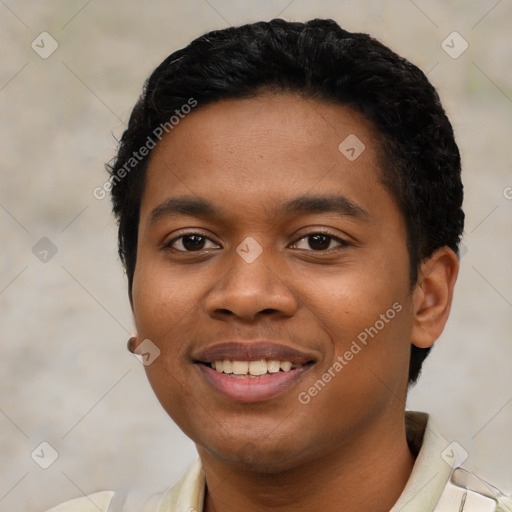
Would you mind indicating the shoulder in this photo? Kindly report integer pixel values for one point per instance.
(186, 494)
(99, 501)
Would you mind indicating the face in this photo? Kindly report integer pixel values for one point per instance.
(273, 276)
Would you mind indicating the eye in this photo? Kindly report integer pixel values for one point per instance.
(321, 241)
(189, 242)
(194, 242)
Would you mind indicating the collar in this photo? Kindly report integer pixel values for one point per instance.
(431, 471)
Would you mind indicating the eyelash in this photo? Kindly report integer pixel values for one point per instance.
(342, 243)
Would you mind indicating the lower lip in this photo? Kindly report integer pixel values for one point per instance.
(252, 389)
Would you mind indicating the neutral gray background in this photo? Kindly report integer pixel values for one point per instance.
(66, 377)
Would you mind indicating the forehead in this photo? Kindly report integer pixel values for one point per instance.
(249, 152)
(282, 121)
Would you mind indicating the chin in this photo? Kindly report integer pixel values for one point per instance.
(256, 457)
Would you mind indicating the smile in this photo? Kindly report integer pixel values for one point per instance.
(252, 368)
(247, 388)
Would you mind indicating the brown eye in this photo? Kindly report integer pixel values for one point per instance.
(190, 242)
(193, 242)
(321, 242)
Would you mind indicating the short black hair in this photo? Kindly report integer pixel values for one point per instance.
(319, 60)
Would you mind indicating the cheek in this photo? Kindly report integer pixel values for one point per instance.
(366, 316)
(162, 298)
(164, 310)
(350, 299)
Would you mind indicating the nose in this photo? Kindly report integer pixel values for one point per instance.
(248, 290)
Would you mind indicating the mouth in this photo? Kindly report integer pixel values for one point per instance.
(252, 371)
(252, 368)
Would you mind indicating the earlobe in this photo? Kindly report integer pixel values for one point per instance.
(132, 344)
(433, 296)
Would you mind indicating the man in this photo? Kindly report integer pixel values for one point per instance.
(289, 206)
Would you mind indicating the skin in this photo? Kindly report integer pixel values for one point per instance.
(346, 449)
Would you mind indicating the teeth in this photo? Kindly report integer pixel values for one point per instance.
(286, 366)
(255, 368)
(258, 367)
(273, 366)
(240, 367)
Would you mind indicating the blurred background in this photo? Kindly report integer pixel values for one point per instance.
(71, 72)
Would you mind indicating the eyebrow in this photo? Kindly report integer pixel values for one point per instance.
(198, 207)
(339, 205)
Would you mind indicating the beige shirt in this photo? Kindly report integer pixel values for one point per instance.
(428, 489)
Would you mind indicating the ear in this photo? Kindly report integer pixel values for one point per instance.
(432, 296)
(133, 343)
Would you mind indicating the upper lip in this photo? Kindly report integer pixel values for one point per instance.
(245, 350)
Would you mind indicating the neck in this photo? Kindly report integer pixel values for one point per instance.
(369, 472)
